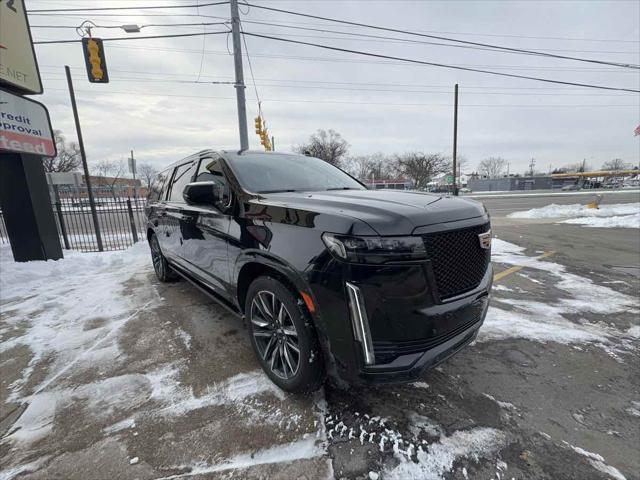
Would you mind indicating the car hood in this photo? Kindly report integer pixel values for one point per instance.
(388, 212)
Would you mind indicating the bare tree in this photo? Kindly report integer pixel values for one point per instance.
(327, 145)
(421, 167)
(358, 166)
(579, 167)
(382, 166)
(68, 158)
(108, 172)
(147, 173)
(492, 167)
(615, 165)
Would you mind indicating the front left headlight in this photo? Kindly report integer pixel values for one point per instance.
(375, 249)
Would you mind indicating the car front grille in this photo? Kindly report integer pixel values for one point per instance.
(386, 351)
(458, 261)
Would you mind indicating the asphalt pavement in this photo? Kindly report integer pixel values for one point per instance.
(107, 374)
(502, 204)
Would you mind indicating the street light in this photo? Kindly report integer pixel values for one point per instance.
(132, 28)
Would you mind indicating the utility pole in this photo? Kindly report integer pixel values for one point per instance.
(239, 85)
(83, 155)
(455, 139)
(532, 164)
(133, 167)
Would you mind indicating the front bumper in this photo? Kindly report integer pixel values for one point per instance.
(410, 328)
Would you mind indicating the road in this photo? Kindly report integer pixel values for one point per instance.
(110, 374)
(503, 204)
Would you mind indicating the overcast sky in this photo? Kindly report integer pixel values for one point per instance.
(377, 105)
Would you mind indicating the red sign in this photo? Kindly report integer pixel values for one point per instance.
(25, 126)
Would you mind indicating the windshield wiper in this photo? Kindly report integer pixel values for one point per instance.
(277, 191)
(343, 188)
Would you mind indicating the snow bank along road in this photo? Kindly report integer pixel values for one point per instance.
(106, 374)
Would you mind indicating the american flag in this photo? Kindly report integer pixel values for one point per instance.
(636, 132)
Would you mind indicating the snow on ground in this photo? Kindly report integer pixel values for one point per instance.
(617, 221)
(70, 315)
(598, 463)
(304, 448)
(578, 210)
(438, 458)
(546, 320)
(68, 310)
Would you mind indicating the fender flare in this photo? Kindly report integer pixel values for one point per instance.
(274, 262)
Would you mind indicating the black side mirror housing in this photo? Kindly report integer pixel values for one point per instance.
(202, 193)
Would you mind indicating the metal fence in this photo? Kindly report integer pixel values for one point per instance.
(121, 221)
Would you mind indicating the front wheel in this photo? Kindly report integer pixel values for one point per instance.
(163, 271)
(283, 337)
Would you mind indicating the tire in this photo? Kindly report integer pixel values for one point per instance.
(275, 338)
(163, 271)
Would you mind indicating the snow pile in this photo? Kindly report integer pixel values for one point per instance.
(578, 210)
(545, 321)
(618, 221)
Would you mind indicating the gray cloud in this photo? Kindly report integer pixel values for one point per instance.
(516, 119)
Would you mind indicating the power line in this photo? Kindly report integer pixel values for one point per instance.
(473, 34)
(352, 89)
(442, 65)
(437, 37)
(407, 40)
(365, 37)
(49, 42)
(253, 79)
(378, 62)
(325, 82)
(97, 9)
(346, 102)
(141, 26)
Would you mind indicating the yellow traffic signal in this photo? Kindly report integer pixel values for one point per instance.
(95, 60)
(258, 122)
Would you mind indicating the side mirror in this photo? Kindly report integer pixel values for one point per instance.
(202, 193)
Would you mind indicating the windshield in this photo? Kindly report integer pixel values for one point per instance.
(270, 173)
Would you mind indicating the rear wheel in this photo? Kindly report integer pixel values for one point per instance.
(283, 337)
(163, 271)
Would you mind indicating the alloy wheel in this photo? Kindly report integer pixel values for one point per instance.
(156, 256)
(275, 334)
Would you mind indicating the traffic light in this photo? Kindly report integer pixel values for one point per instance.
(258, 122)
(95, 60)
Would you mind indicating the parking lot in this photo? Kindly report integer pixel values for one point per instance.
(108, 374)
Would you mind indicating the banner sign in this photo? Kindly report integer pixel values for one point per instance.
(18, 66)
(25, 126)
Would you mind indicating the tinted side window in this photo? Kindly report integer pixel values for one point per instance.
(180, 179)
(156, 188)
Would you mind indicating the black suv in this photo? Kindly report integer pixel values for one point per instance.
(332, 278)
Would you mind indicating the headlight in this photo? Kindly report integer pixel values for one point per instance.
(375, 249)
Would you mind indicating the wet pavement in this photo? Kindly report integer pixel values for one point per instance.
(155, 381)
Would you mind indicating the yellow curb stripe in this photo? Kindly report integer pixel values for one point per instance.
(517, 268)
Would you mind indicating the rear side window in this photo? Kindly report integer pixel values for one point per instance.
(181, 177)
(156, 189)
